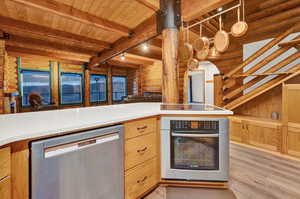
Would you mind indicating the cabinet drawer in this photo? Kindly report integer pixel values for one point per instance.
(4, 162)
(141, 179)
(140, 127)
(140, 149)
(5, 188)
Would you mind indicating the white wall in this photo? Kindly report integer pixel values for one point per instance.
(250, 48)
(210, 70)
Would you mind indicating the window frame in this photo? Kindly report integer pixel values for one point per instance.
(60, 88)
(112, 86)
(106, 88)
(21, 70)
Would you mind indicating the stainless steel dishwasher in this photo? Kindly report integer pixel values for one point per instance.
(86, 165)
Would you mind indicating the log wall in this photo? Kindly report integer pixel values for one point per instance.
(9, 83)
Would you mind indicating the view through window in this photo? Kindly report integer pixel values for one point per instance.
(98, 88)
(119, 87)
(71, 88)
(35, 82)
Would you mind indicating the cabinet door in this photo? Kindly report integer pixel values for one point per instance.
(293, 141)
(141, 179)
(140, 149)
(140, 127)
(5, 162)
(264, 136)
(236, 130)
(5, 188)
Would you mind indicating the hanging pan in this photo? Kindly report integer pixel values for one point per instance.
(221, 39)
(202, 42)
(239, 28)
(185, 50)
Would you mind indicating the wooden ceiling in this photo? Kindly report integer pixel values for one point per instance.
(78, 30)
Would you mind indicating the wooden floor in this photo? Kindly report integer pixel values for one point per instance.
(255, 174)
(190, 193)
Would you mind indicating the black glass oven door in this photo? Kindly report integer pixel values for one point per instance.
(195, 152)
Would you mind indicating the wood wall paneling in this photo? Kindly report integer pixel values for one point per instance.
(2, 66)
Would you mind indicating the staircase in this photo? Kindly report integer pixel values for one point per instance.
(235, 92)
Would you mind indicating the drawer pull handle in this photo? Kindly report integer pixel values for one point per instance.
(142, 128)
(142, 180)
(142, 150)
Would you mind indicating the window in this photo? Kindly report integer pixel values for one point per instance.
(70, 88)
(35, 82)
(98, 88)
(119, 88)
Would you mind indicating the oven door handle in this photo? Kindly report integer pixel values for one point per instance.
(194, 135)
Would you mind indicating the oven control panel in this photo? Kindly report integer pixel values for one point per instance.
(190, 125)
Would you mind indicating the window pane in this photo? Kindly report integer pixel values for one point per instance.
(71, 88)
(35, 82)
(119, 87)
(97, 88)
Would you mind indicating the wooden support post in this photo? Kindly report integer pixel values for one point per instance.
(109, 85)
(2, 63)
(87, 75)
(169, 21)
(54, 82)
(218, 90)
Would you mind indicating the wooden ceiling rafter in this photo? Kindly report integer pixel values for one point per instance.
(11, 25)
(19, 51)
(76, 15)
(124, 64)
(144, 32)
(152, 4)
(47, 45)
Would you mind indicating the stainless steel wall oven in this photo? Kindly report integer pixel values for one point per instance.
(195, 148)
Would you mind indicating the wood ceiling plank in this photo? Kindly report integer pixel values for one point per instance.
(193, 9)
(76, 15)
(134, 60)
(143, 32)
(152, 4)
(7, 24)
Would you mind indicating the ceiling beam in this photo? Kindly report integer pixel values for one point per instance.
(193, 9)
(152, 4)
(143, 32)
(14, 26)
(123, 64)
(31, 43)
(19, 51)
(76, 15)
(134, 60)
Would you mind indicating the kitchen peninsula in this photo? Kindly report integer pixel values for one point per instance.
(141, 123)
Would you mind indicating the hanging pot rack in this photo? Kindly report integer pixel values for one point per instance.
(216, 15)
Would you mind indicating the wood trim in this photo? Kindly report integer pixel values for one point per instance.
(198, 184)
(76, 15)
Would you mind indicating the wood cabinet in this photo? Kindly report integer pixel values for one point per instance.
(140, 149)
(140, 127)
(141, 157)
(5, 188)
(293, 139)
(262, 133)
(5, 172)
(141, 179)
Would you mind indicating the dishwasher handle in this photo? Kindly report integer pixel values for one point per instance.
(70, 147)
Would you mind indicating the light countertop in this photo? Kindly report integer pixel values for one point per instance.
(21, 126)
